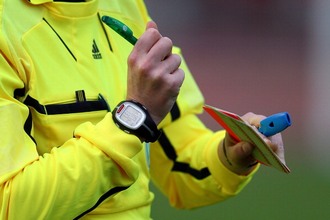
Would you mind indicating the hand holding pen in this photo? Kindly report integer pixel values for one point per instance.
(154, 76)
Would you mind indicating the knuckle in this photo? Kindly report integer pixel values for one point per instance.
(177, 81)
(141, 66)
(154, 32)
(145, 66)
(132, 59)
(176, 58)
(167, 41)
(174, 62)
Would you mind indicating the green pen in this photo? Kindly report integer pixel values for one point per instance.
(120, 28)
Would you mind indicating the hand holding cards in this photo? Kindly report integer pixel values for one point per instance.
(242, 131)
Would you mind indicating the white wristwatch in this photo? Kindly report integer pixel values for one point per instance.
(133, 118)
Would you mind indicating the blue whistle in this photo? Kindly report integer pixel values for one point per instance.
(275, 124)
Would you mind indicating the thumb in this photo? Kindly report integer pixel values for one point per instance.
(244, 149)
(241, 153)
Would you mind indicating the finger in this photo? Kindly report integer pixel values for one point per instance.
(230, 140)
(241, 154)
(161, 49)
(151, 24)
(176, 81)
(243, 150)
(253, 119)
(171, 63)
(148, 39)
(276, 144)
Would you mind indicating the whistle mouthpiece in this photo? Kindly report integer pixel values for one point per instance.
(275, 124)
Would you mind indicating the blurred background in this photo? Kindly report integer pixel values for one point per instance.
(264, 56)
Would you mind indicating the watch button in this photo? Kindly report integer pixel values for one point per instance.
(120, 108)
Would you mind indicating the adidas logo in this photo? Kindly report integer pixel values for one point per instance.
(95, 51)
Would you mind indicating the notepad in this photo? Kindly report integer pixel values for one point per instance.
(242, 131)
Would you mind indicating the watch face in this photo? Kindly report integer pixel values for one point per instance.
(130, 115)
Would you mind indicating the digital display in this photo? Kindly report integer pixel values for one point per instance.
(131, 116)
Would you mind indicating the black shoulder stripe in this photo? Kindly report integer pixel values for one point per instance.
(185, 168)
(28, 123)
(180, 166)
(175, 112)
(28, 126)
(167, 147)
(76, 107)
(102, 198)
(19, 93)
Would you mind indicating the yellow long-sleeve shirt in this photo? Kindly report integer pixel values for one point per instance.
(62, 157)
